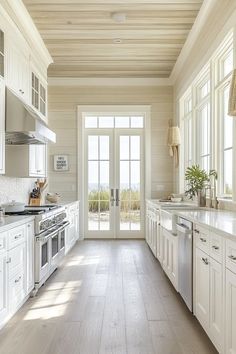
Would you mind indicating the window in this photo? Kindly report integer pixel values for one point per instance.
(114, 122)
(207, 130)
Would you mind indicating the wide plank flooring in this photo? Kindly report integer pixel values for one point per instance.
(108, 297)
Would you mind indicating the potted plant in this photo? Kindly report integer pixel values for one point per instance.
(197, 181)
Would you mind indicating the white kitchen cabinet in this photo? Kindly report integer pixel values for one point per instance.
(30, 256)
(202, 280)
(170, 256)
(153, 230)
(2, 126)
(216, 305)
(26, 161)
(18, 69)
(3, 287)
(72, 231)
(230, 323)
(39, 95)
(37, 160)
(209, 297)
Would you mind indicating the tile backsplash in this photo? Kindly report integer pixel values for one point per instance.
(18, 189)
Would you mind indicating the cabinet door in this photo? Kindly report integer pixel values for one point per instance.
(3, 287)
(18, 71)
(158, 252)
(216, 304)
(2, 127)
(30, 256)
(202, 284)
(230, 312)
(37, 160)
(173, 261)
(77, 225)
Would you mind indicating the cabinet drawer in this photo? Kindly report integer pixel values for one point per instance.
(16, 290)
(3, 242)
(16, 260)
(216, 247)
(202, 238)
(231, 255)
(16, 236)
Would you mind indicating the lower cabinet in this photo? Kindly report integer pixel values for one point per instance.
(30, 256)
(16, 268)
(170, 256)
(72, 231)
(209, 308)
(153, 230)
(230, 323)
(3, 287)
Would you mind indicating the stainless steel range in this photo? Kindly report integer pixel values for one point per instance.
(50, 231)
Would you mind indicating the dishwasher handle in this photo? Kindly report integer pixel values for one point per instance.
(183, 229)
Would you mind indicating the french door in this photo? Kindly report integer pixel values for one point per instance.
(114, 183)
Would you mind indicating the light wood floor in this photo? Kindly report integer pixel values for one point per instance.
(108, 297)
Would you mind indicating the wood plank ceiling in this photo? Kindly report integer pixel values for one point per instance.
(81, 35)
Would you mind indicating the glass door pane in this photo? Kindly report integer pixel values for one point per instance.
(98, 182)
(129, 182)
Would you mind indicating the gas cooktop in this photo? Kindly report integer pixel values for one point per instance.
(35, 210)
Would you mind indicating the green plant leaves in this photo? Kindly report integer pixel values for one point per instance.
(197, 179)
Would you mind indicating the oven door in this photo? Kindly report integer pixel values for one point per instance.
(42, 257)
(62, 236)
(55, 249)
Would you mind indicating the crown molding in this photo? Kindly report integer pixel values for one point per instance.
(201, 19)
(89, 81)
(18, 14)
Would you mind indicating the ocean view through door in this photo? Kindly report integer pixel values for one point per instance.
(114, 176)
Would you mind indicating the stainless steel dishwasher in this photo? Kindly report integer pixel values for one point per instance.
(185, 260)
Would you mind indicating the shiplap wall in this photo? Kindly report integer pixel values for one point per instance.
(63, 102)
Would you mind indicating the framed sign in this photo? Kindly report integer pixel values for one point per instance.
(61, 163)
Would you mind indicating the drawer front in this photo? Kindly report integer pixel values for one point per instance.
(202, 238)
(17, 290)
(231, 255)
(3, 242)
(16, 236)
(216, 247)
(16, 260)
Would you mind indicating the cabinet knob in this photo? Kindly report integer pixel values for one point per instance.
(9, 260)
(215, 247)
(233, 258)
(203, 239)
(197, 231)
(205, 260)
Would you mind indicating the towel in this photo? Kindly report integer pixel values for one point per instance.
(232, 96)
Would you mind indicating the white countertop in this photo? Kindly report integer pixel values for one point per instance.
(216, 220)
(10, 222)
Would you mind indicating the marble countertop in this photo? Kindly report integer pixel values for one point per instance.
(215, 220)
(9, 222)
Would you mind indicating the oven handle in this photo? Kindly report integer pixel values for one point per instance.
(44, 239)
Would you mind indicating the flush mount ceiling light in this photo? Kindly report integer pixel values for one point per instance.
(117, 40)
(119, 17)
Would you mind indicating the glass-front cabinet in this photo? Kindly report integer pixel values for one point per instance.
(39, 95)
(1, 53)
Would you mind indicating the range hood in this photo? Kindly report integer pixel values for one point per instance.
(23, 125)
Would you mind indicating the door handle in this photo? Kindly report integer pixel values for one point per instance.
(117, 197)
(112, 197)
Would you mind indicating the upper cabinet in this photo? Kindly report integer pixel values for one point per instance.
(18, 69)
(39, 94)
(1, 53)
(2, 126)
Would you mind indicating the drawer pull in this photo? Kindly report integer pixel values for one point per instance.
(18, 236)
(205, 260)
(215, 247)
(8, 261)
(203, 239)
(17, 280)
(233, 258)
(197, 231)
